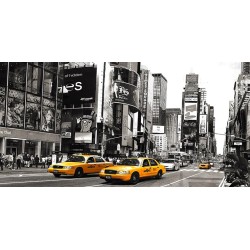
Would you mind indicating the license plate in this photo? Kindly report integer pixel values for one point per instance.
(55, 171)
(108, 177)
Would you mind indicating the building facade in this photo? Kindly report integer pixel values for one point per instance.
(30, 107)
(172, 128)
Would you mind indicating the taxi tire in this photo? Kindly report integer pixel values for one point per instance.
(134, 179)
(159, 174)
(57, 175)
(78, 173)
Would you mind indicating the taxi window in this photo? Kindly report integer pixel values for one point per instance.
(130, 162)
(145, 163)
(75, 158)
(91, 160)
(99, 159)
(153, 162)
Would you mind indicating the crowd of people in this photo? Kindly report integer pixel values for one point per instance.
(11, 161)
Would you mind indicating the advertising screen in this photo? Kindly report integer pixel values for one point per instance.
(203, 124)
(190, 111)
(81, 137)
(158, 129)
(79, 85)
(125, 94)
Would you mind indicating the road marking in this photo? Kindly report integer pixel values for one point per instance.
(222, 182)
(23, 182)
(180, 180)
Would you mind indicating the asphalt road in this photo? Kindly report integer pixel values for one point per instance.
(190, 176)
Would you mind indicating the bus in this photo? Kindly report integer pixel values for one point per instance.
(183, 157)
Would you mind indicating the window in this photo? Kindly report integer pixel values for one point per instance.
(34, 81)
(99, 159)
(91, 160)
(48, 115)
(145, 163)
(2, 105)
(17, 75)
(49, 84)
(15, 116)
(33, 112)
(3, 73)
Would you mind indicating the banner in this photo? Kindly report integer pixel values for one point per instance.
(158, 129)
(190, 111)
(179, 125)
(124, 93)
(203, 124)
(79, 85)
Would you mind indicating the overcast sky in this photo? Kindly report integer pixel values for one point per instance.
(217, 77)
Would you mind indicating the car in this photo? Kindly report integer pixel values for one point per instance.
(78, 165)
(171, 164)
(204, 165)
(133, 169)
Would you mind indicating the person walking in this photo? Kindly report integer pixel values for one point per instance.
(49, 160)
(19, 161)
(36, 160)
(1, 161)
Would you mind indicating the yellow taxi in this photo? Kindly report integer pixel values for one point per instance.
(204, 165)
(79, 164)
(133, 169)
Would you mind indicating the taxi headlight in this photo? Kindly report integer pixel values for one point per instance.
(67, 167)
(102, 171)
(123, 172)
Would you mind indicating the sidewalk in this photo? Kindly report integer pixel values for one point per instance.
(32, 169)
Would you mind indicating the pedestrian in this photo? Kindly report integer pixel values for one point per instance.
(19, 161)
(28, 160)
(43, 162)
(1, 161)
(49, 160)
(32, 158)
(25, 159)
(36, 161)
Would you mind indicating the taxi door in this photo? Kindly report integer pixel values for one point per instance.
(90, 166)
(100, 164)
(154, 167)
(146, 168)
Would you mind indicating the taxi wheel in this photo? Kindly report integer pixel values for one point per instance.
(134, 178)
(159, 175)
(57, 175)
(78, 173)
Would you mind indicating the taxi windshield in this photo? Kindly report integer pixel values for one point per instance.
(75, 158)
(130, 162)
(168, 161)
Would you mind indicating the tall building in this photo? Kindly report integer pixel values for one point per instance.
(172, 128)
(159, 99)
(30, 107)
(245, 68)
(190, 114)
(203, 99)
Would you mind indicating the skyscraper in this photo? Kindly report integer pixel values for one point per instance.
(159, 99)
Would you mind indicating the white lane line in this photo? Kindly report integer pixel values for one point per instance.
(180, 180)
(23, 182)
(222, 182)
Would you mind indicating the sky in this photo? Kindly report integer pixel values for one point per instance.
(217, 77)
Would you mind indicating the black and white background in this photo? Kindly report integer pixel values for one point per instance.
(124, 218)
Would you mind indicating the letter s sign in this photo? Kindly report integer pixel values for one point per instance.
(78, 86)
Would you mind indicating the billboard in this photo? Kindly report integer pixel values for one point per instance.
(190, 111)
(79, 85)
(66, 130)
(203, 124)
(125, 93)
(158, 129)
(81, 137)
